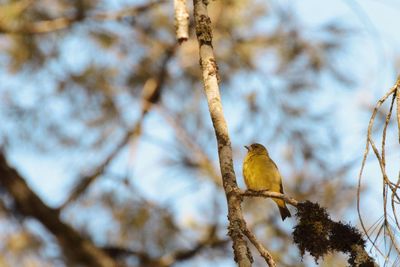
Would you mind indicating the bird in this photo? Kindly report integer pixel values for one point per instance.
(261, 173)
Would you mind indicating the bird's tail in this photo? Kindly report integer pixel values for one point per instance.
(283, 209)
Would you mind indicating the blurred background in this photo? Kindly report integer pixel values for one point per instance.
(104, 116)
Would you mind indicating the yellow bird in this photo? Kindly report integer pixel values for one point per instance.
(261, 173)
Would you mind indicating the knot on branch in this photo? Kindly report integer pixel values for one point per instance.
(213, 69)
(203, 30)
(319, 235)
(234, 228)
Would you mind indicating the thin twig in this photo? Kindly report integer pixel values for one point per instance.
(398, 105)
(381, 157)
(391, 236)
(388, 116)
(269, 194)
(394, 204)
(263, 252)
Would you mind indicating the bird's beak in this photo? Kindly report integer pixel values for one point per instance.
(248, 148)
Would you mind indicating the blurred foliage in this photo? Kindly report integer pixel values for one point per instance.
(75, 87)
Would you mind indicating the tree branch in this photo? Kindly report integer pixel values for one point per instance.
(257, 244)
(76, 248)
(398, 106)
(210, 79)
(181, 20)
(269, 194)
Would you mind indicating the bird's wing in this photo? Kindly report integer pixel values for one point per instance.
(281, 185)
(281, 190)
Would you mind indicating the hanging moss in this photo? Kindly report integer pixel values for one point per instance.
(317, 234)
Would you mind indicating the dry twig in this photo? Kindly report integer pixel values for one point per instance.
(269, 194)
(388, 186)
(261, 249)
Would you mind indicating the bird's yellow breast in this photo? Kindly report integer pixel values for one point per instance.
(261, 173)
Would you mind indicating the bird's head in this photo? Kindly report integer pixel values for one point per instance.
(256, 149)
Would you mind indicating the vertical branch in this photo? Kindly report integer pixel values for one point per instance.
(210, 72)
(398, 104)
(181, 20)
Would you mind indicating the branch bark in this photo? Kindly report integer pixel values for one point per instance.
(76, 248)
(210, 79)
(398, 105)
(181, 20)
(269, 194)
(261, 249)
